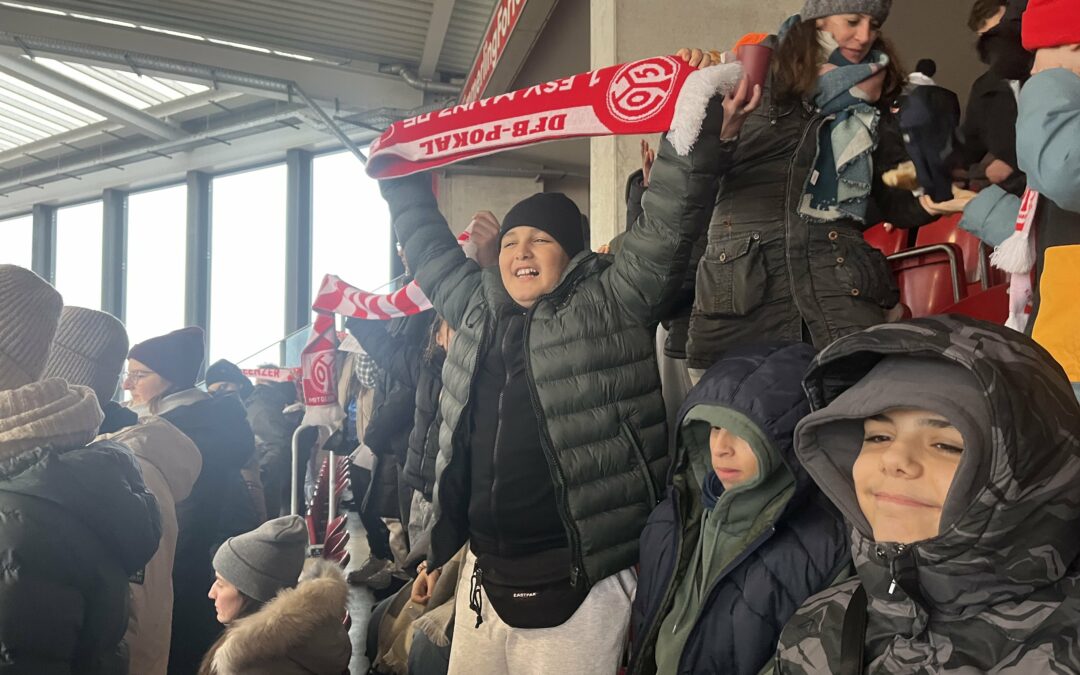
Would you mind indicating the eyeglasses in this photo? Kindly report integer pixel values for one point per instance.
(134, 376)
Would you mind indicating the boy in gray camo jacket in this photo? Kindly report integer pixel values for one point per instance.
(953, 448)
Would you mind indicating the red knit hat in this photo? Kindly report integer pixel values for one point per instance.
(1051, 23)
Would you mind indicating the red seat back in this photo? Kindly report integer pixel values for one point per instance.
(930, 280)
(976, 256)
(888, 242)
(990, 305)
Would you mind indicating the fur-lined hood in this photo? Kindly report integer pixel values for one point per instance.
(299, 631)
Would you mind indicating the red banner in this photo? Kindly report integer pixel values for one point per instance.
(503, 21)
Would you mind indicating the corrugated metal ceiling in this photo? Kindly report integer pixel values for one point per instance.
(28, 113)
(383, 31)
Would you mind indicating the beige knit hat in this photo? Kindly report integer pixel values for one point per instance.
(89, 349)
(29, 312)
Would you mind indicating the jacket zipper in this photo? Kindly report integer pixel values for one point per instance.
(814, 123)
(495, 450)
(457, 431)
(754, 546)
(654, 628)
(577, 572)
(891, 553)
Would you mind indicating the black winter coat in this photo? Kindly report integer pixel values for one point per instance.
(397, 347)
(74, 526)
(767, 272)
(805, 550)
(218, 507)
(419, 469)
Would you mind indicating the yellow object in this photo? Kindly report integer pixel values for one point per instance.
(1057, 327)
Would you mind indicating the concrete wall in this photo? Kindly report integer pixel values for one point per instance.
(561, 49)
(624, 30)
(460, 196)
(937, 29)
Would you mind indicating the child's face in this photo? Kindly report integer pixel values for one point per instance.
(733, 459)
(1066, 56)
(904, 471)
(531, 263)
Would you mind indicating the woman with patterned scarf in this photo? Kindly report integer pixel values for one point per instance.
(784, 259)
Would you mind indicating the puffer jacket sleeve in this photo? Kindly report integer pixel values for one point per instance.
(445, 275)
(1048, 136)
(651, 265)
(992, 215)
(888, 204)
(400, 358)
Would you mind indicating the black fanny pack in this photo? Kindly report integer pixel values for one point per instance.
(529, 592)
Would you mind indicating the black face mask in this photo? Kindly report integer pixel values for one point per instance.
(1001, 49)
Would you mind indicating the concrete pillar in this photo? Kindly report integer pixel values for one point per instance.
(624, 30)
(462, 195)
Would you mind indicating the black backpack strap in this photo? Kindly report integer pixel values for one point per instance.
(853, 638)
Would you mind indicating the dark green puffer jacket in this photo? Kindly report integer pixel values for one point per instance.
(999, 590)
(592, 368)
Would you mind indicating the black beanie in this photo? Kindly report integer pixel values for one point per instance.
(227, 371)
(554, 213)
(175, 356)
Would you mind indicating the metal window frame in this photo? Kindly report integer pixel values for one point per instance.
(114, 252)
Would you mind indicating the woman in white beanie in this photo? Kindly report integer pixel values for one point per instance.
(283, 617)
(785, 259)
(77, 520)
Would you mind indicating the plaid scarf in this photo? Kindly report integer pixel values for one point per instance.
(839, 187)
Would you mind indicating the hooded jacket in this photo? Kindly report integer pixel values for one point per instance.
(218, 507)
(273, 431)
(782, 539)
(397, 348)
(170, 464)
(998, 590)
(591, 369)
(419, 470)
(1048, 146)
(76, 521)
(299, 632)
(770, 274)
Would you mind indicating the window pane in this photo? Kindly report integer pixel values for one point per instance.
(247, 266)
(156, 262)
(351, 224)
(78, 254)
(17, 241)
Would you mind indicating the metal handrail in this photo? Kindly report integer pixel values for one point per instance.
(952, 251)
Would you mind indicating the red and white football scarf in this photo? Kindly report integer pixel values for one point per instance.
(660, 94)
(1016, 255)
(318, 361)
(653, 95)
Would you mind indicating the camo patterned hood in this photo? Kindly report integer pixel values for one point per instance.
(997, 590)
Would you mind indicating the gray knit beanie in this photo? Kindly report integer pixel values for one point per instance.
(89, 350)
(815, 9)
(29, 312)
(264, 561)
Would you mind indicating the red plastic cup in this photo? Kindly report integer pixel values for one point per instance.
(755, 60)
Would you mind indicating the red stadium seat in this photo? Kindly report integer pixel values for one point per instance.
(930, 278)
(990, 305)
(976, 255)
(887, 242)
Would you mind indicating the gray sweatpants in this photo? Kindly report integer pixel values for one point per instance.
(590, 643)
